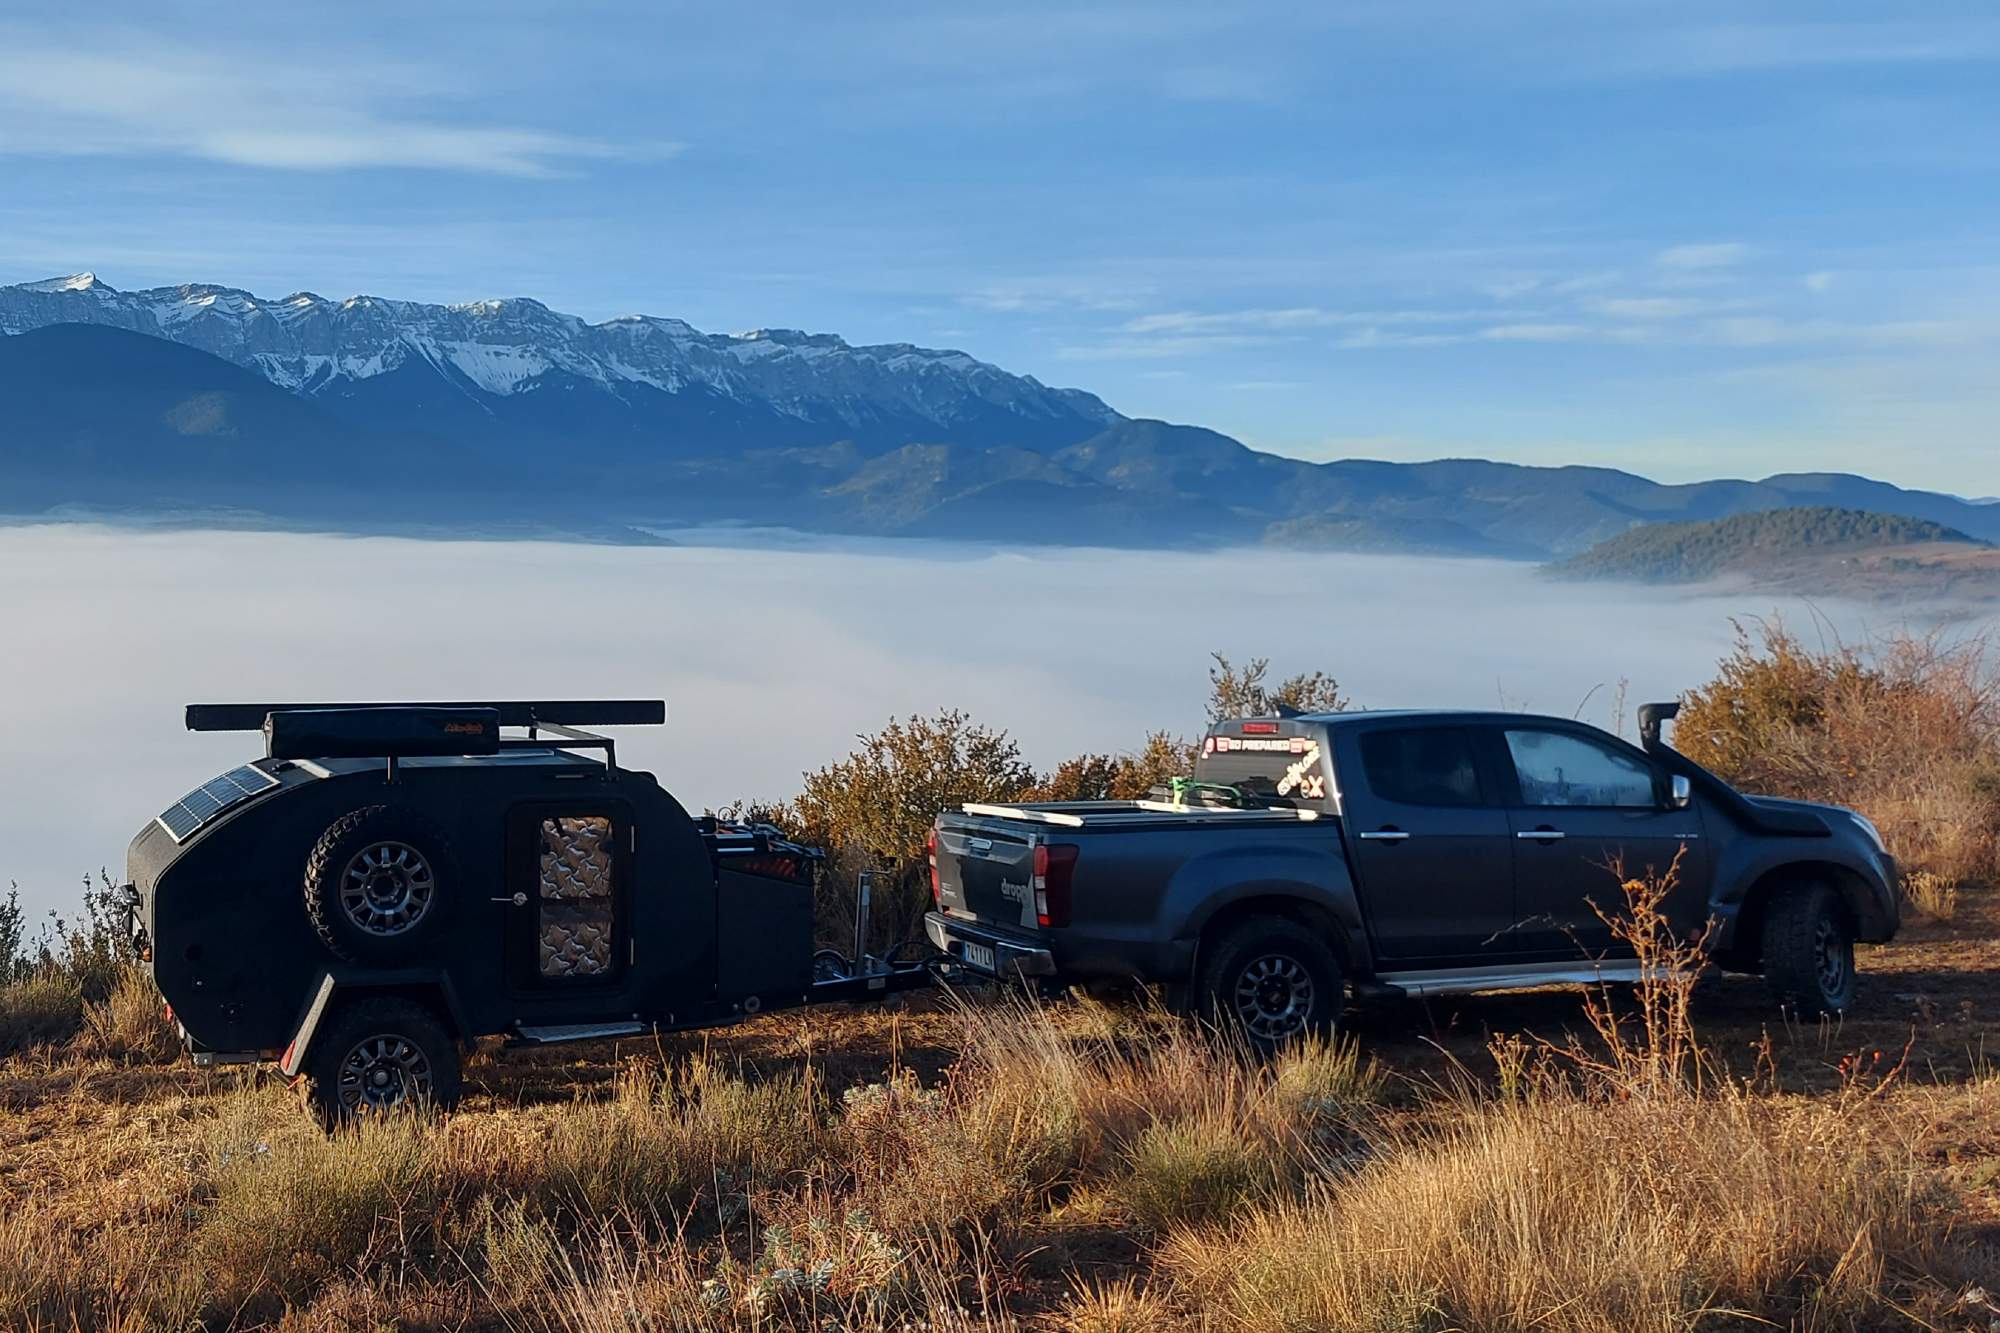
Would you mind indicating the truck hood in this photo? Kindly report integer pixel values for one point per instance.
(1835, 814)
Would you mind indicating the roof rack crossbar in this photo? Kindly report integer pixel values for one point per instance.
(513, 713)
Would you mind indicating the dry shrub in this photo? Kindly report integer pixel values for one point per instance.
(1934, 895)
(1563, 1213)
(41, 1010)
(1318, 1080)
(1905, 729)
(1122, 1306)
(812, 1271)
(131, 1024)
(874, 808)
(923, 1161)
(124, 1277)
(1182, 1125)
(290, 1208)
(1649, 1048)
(1200, 1170)
(659, 1144)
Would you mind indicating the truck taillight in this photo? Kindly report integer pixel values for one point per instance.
(930, 850)
(1055, 867)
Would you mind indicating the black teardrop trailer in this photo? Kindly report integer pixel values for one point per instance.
(391, 881)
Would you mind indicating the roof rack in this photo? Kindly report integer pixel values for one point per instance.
(400, 730)
(513, 713)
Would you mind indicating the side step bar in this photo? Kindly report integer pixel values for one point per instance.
(1508, 977)
(555, 1033)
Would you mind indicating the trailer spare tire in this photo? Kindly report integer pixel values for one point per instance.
(379, 884)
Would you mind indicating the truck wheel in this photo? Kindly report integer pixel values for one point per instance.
(379, 1055)
(1271, 979)
(378, 884)
(1809, 950)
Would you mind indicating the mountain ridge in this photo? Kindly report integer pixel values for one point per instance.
(803, 431)
(500, 352)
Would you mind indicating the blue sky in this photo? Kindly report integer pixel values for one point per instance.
(1688, 239)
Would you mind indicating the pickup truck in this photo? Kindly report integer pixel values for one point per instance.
(1407, 854)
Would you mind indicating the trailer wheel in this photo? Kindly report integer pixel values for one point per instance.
(378, 884)
(1809, 950)
(1272, 980)
(380, 1055)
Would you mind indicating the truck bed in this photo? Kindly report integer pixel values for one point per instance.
(1081, 886)
(1129, 814)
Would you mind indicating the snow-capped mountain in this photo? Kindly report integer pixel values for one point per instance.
(462, 369)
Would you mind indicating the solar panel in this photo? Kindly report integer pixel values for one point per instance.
(185, 817)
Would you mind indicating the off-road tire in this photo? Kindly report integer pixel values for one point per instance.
(378, 1055)
(1809, 950)
(1270, 980)
(339, 922)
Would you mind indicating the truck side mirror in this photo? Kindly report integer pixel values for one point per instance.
(1679, 791)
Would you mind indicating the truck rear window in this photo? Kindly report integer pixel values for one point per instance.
(1281, 770)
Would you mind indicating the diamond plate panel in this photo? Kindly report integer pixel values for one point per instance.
(576, 903)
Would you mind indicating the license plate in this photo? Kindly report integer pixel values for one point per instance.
(981, 957)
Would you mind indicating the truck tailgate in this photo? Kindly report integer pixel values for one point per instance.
(984, 871)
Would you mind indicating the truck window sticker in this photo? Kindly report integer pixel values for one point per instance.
(1299, 777)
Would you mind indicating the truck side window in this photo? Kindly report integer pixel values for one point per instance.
(1422, 766)
(1556, 768)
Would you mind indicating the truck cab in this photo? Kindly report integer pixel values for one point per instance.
(1409, 853)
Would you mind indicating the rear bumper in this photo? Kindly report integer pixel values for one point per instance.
(1013, 956)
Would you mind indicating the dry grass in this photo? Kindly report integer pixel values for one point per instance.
(1001, 1165)
(43, 1009)
(1564, 1213)
(1049, 1172)
(1933, 894)
(131, 1023)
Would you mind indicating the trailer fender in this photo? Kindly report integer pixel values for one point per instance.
(426, 986)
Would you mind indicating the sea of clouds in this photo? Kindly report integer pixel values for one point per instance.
(772, 656)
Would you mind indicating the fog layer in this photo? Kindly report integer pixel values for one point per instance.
(771, 660)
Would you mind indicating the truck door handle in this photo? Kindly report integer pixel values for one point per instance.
(518, 900)
(1386, 835)
(1543, 834)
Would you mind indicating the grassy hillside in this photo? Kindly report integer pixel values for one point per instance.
(1674, 1160)
(1779, 541)
(1070, 1167)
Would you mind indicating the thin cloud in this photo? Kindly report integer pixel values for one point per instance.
(1695, 258)
(1650, 307)
(1036, 297)
(1148, 348)
(1184, 321)
(1289, 319)
(1535, 333)
(1735, 48)
(1370, 338)
(76, 101)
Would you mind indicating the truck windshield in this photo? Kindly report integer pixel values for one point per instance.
(1265, 777)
